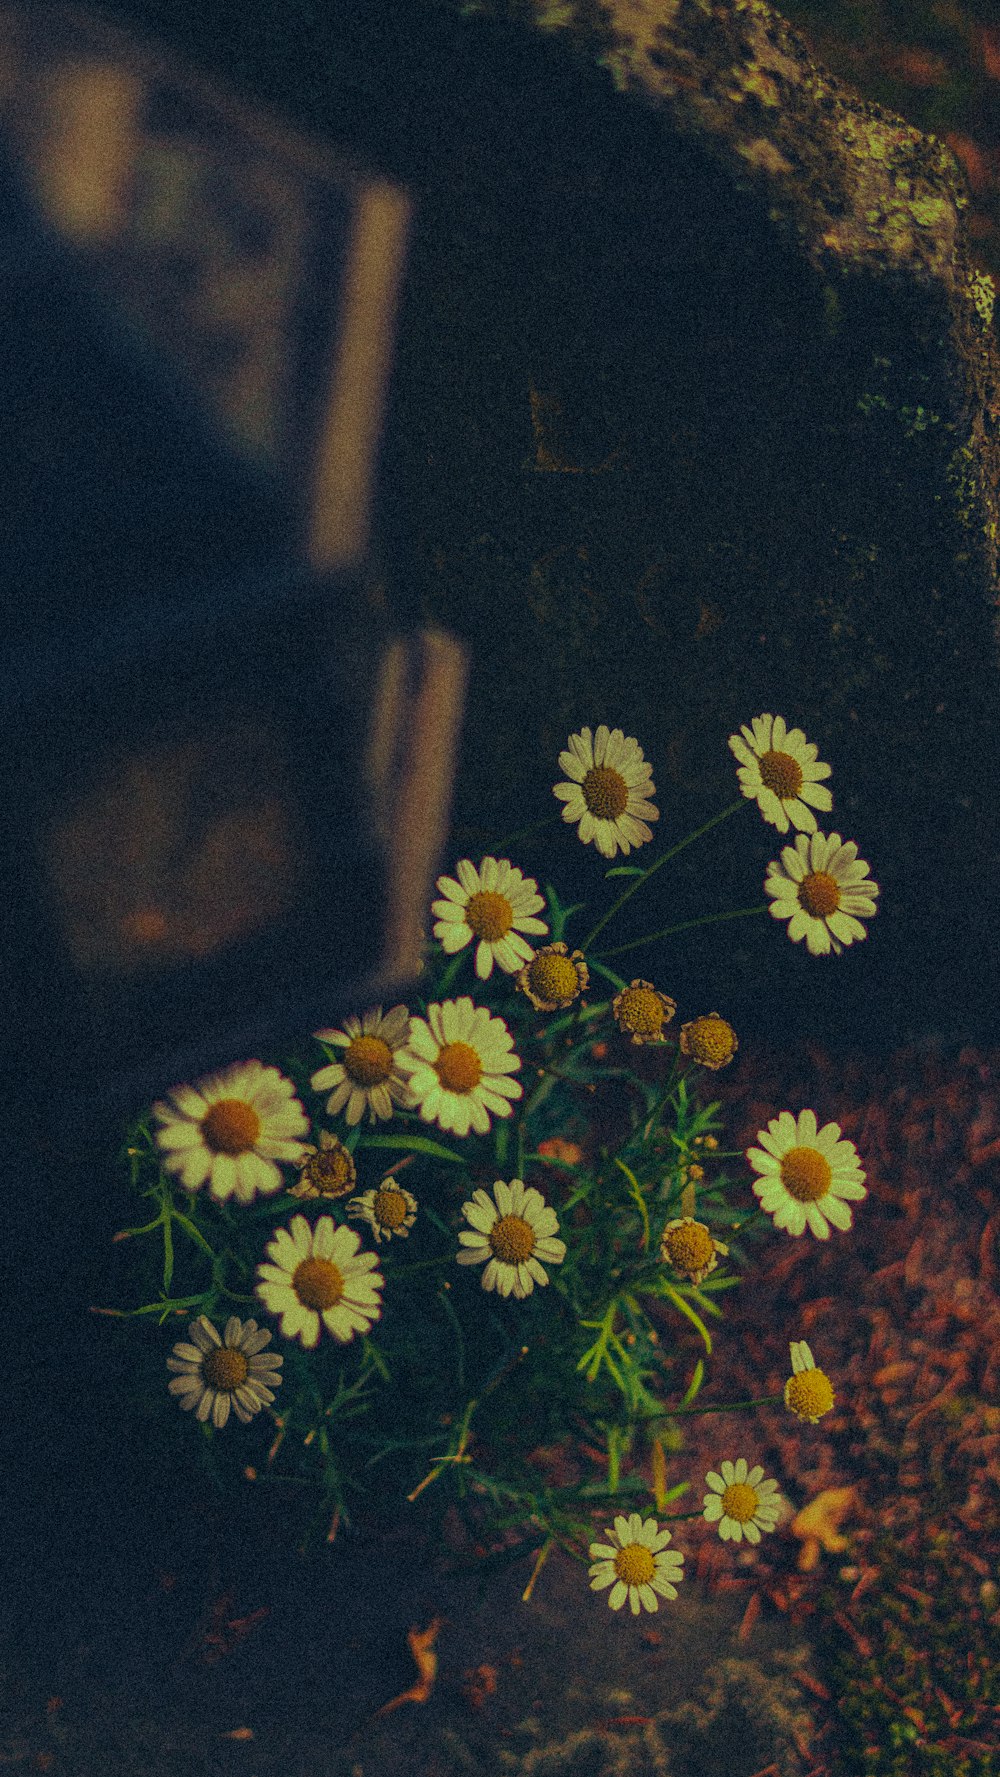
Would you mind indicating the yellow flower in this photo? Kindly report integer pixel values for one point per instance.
(367, 1074)
(779, 770)
(709, 1040)
(690, 1248)
(458, 1061)
(741, 1503)
(820, 887)
(609, 791)
(807, 1391)
(641, 1011)
(230, 1129)
(636, 1564)
(554, 978)
(807, 1174)
(513, 1230)
(492, 905)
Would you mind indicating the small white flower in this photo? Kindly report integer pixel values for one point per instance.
(780, 771)
(366, 1075)
(230, 1129)
(493, 906)
(458, 1062)
(214, 1374)
(636, 1564)
(318, 1275)
(807, 1174)
(821, 887)
(609, 791)
(513, 1232)
(741, 1504)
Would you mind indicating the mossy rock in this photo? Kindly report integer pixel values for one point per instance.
(695, 416)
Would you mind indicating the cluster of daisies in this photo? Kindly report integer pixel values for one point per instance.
(232, 1132)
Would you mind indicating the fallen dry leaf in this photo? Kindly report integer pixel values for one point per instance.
(421, 1642)
(818, 1525)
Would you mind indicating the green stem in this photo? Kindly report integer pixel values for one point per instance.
(523, 832)
(767, 1400)
(668, 931)
(741, 802)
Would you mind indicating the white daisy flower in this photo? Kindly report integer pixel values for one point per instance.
(366, 1075)
(493, 906)
(638, 1563)
(609, 791)
(317, 1274)
(808, 1391)
(457, 1064)
(513, 1232)
(230, 1129)
(388, 1209)
(819, 886)
(741, 1504)
(780, 771)
(807, 1174)
(214, 1374)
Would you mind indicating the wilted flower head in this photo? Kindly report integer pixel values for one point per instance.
(641, 1011)
(690, 1248)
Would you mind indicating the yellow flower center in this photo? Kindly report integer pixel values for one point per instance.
(332, 1171)
(641, 1010)
(635, 1565)
(819, 894)
(224, 1369)
(230, 1127)
(740, 1502)
(781, 773)
(809, 1394)
(390, 1207)
(512, 1239)
(458, 1067)
(711, 1039)
(689, 1247)
(367, 1060)
(317, 1283)
(605, 792)
(805, 1174)
(553, 977)
(489, 915)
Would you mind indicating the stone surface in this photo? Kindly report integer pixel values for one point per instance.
(696, 400)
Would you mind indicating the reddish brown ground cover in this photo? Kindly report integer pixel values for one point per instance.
(903, 1314)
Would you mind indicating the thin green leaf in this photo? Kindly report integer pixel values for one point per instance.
(695, 1383)
(637, 1195)
(418, 1144)
(189, 1228)
(686, 1308)
(168, 1253)
(624, 870)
